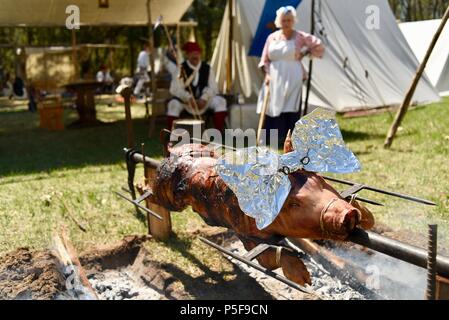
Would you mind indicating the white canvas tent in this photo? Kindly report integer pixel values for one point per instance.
(361, 69)
(120, 12)
(49, 67)
(419, 34)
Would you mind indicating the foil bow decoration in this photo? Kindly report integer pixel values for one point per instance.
(258, 176)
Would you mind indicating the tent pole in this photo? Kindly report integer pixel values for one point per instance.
(309, 79)
(161, 230)
(229, 57)
(178, 45)
(46, 70)
(408, 97)
(152, 51)
(74, 55)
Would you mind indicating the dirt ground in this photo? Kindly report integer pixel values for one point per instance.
(127, 270)
(30, 275)
(123, 270)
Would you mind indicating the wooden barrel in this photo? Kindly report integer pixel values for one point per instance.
(194, 128)
(51, 114)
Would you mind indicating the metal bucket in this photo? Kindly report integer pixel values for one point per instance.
(188, 129)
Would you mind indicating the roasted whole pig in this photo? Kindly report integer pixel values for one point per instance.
(312, 210)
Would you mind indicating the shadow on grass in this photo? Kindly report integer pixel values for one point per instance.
(351, 135)
(242, 286)
(182, 246)
(24, 148)
(212, 284)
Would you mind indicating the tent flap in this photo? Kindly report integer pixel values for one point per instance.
(419, 35)
(119, 12)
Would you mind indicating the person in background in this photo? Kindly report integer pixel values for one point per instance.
(2, 78)
(143, 64)
(32, 98)
(19, 88)
(86, 71)
(170, 63)
(199, 76)
(284, 72)
(104, 76)
(6, 86)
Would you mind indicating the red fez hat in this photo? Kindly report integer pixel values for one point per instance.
(191, 47)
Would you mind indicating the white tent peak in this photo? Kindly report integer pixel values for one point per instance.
(419, 35)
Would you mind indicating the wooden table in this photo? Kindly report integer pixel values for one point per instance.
(85, 101)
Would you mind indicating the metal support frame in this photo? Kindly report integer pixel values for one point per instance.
(257, 251)
(358, 187)
(352, 192)
(137, 203)
(131, 168)
(432, 262)
(247, 259)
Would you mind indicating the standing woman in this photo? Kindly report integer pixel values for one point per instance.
(284, 72)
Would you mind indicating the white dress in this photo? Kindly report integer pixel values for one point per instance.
(286, 79)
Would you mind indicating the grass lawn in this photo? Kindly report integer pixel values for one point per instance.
(48, 179)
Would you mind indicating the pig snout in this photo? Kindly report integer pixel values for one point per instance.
(338, 219)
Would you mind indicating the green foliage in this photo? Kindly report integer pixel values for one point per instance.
(413, 10)
(208, 14)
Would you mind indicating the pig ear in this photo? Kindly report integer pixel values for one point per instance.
(288, 145)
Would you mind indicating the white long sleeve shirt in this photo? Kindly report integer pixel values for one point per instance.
(178, 88)
(104, 76)
(143, 60)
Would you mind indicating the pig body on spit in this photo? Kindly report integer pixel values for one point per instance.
(312, 210)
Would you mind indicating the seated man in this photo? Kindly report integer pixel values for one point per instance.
(104, 76)
(199, 76)
(170, 63)
(143, 64)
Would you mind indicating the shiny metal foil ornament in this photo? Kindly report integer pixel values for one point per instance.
(258, 176)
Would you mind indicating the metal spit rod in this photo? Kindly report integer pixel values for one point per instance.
(399, 250)
(260, 268)
(389, 193)
(432, 262)
(138, 158)
(346, 182)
